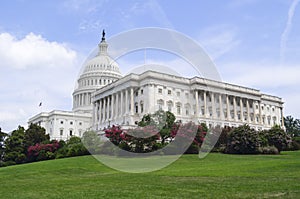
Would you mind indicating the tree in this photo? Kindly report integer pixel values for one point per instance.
(243, 140)
(277, 137)
(2, 146)
(35, 135)
(162, 120)
(15, 149)
(292, 125)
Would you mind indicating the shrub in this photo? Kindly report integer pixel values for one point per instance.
(268, 150)
(243, 140)
(278, 137)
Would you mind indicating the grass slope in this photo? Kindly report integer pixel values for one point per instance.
(216, 176)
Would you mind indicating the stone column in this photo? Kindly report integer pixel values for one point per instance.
(242, 109)
(117, 105)
(197, 103)
(100, 111)
(126, 102)
(282, 119)
(131, 101)
(221, 107)
(213, 105)
(108, 108)
(254, 112)
(228, 108)
(104, 109)
(248, 111)
(112, 106)
(122, 104)
(234, 109)
(205, 104)
(260, 113)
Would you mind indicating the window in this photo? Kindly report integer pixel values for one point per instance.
(169, 92)
(71, 123)
(170, 104)
(142, 106)
(160, 104)
(178, 94)
(187, 95)
(142, 92)
(160, 91)
(136, 108)
(79, 133)
(61, 122)
(136, 93)
(80, 123)
(71, 132)
(61, 132)
(178, 107)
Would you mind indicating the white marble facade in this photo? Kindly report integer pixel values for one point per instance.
(200, 100)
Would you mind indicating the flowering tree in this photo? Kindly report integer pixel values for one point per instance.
(42, 151)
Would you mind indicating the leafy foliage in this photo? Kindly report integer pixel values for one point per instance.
(243, 140)
(292, 126)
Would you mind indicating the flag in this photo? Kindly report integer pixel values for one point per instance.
(40, 104)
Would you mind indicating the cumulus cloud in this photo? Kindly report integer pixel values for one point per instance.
(33, 69)
(33, 51)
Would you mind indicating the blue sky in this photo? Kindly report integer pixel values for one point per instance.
(43, 44)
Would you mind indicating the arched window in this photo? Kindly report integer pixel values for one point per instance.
(170, 105)
(142, 106)
(136, 107)
(160, 104)
(178, 108)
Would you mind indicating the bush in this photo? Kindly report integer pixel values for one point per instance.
(278, 137)
(268, 150)
(243, 140)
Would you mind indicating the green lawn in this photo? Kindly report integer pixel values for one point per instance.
(216, 176)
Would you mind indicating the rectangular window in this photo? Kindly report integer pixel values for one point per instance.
(142, 92)
(61, 132)
(178, 94)
(71, 133)
(160, 91)
(169, 92)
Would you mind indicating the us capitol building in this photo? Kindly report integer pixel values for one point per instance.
(104, 97)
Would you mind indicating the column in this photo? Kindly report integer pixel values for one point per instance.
(112, 106)
(228, 108)
(248, 111)
(242, 109)
(254, 112)
(221, 107)
(100, 111)
(213, 105)
(197, 103)
(234, 109)
(131, 101)
(108, 108)
(260, 114)
(126, 102)
(104, 109)
(122, 104)
(282, 119)
(205, 104)
(117, 105)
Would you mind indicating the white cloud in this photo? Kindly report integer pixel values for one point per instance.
(33, 51)
(33, 69)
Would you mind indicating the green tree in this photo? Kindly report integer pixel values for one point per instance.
(15, 147)
(292, 125)
(35, 134)
(2, 146)
(162, 120)
(277, 137)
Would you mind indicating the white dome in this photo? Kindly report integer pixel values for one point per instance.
(97, 72)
